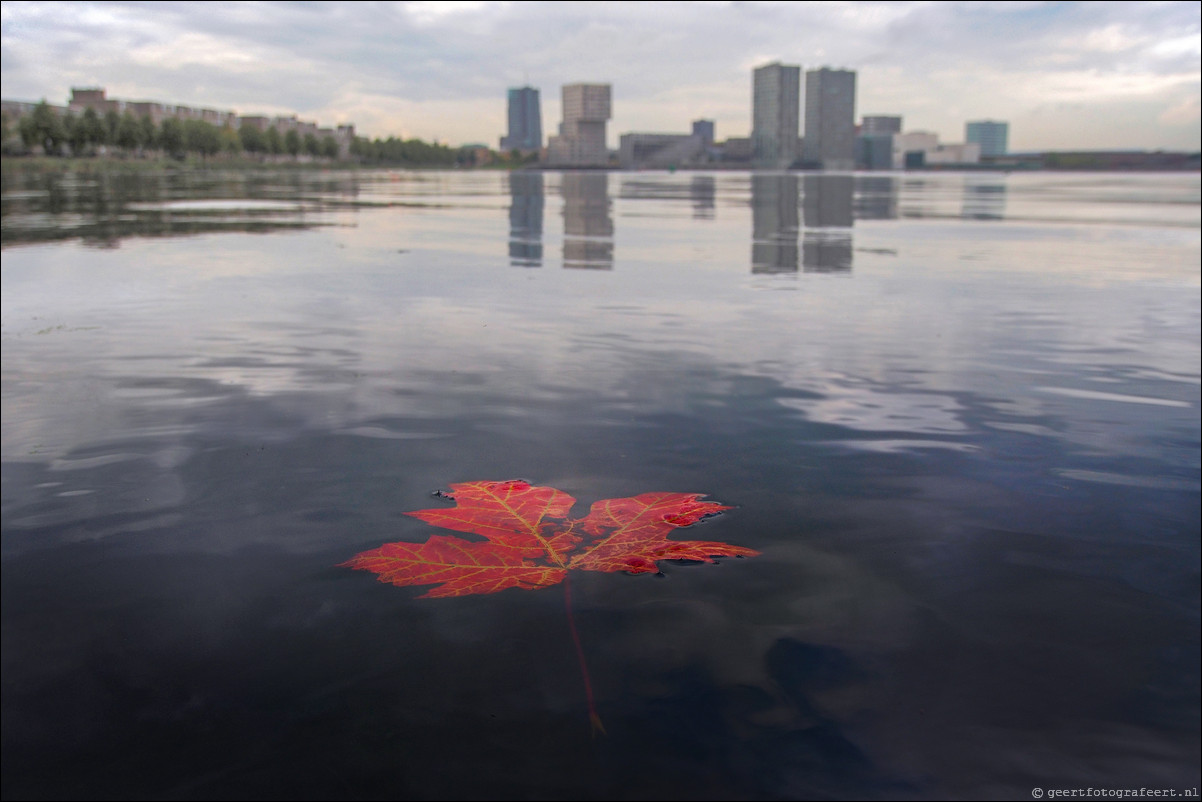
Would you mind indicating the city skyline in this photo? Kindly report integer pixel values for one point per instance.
(1064, 75)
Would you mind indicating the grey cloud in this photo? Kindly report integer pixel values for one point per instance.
(312, 55)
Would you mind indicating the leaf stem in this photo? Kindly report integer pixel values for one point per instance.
(593, 718)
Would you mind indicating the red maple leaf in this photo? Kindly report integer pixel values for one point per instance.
(529, 542)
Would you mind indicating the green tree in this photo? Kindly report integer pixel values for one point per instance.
(330, 148)
(112, 121)
(252, 138)
(43, 128)
(171, 137)
(129, 133)
(274, 143)
(201, 137)
(73, 131)
(91, 128)
(361, 148)
(312, 146)
(230, 142)
(146, 132)
(292, 142)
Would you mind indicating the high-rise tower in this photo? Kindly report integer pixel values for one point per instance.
(581, 139)
(775, 99)
(830, 127)
(525, 120)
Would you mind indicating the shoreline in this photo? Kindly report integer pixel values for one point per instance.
(103, 164)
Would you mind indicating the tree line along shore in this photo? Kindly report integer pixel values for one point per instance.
(111, 136)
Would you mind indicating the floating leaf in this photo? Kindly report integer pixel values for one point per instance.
(531, 543)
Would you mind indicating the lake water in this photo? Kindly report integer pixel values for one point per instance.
(957, 414)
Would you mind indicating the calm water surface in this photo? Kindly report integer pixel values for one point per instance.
(957, 414)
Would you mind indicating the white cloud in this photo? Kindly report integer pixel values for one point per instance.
(1112, 38)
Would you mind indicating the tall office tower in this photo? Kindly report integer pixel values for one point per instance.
(705, 130)
(775, 109)
(992, 136)
(581, 139)
(525, 120)
(830, 132)
(880, 124)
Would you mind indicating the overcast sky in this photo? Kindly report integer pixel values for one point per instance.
(1064, 75)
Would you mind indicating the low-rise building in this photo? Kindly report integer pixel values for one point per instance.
(959, 153)
(910, 148)
(660, 150)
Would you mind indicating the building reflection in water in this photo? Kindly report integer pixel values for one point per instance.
(876, 197)
(774, 223)
(526, 218)
(827, 204)
(102, 209)
(588, 226)
(702, 190)
(984, 199)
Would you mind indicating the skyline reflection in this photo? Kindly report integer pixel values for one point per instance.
(526, 202)
(774, 223)
(984, 200)
(588, 226)
(827, 241)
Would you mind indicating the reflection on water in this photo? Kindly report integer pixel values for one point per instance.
(876, 197)
(827, 245)
(702, 191)
(526, 218)
(825, 212)
(774, 226)
(971, 466)
(984, 198)
(103, 208)
(588, 228)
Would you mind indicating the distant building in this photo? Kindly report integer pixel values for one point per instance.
(525, 121)
(830, 122)
(910, 148)
(96, 99)
(581, 139)
(992, 136)
(660, 150)
(16, 109)
(958, 153)
(881, 124)
(918, 149)
(736, 149)
(705, 130)
(874, 152)
(775, 114)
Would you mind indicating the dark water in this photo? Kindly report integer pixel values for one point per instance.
(957, 414)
